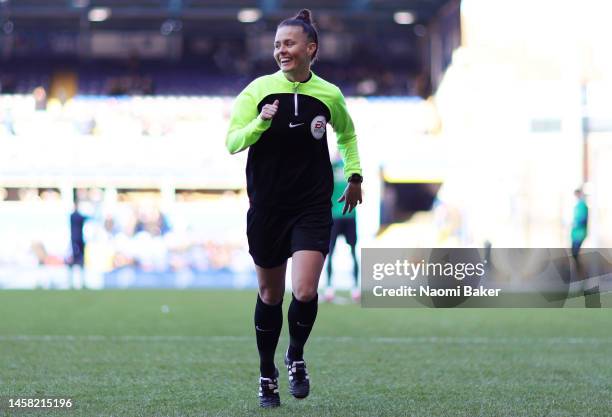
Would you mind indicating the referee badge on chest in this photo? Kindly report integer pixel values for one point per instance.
(317, 127)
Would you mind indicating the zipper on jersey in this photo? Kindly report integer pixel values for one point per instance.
(295, 98)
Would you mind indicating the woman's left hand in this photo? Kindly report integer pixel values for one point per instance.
(351, 197)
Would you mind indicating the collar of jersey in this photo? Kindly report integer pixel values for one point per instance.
(279, 74)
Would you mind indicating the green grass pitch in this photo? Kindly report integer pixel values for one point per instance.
(117, 354)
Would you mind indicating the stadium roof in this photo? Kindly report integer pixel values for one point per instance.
(137, 14)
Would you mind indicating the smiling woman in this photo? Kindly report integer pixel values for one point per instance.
(282, 119)
(295, 46)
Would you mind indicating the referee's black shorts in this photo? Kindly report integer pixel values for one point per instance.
(274, 235)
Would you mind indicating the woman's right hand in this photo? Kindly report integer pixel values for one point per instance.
(268, 111)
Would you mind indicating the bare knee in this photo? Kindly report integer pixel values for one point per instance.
(305, 274)
(271, 295)
(271, 284)
(305, 293)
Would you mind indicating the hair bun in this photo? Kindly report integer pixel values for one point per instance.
(304, 15)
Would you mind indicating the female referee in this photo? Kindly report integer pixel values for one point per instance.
(282, 119)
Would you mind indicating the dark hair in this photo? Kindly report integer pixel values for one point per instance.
(304, 20)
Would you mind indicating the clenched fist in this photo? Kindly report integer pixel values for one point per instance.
(268, 111)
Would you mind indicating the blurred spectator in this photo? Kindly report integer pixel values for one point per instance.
(580, 222)
(40, 98)
(344, 224)
(42, 256)
(130, 85)
(77, 222)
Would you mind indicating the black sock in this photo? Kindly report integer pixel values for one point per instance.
(301, 318)
(268, 324)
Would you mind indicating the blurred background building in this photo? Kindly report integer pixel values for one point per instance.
(476, 120)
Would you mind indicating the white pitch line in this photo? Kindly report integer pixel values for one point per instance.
(445, 340)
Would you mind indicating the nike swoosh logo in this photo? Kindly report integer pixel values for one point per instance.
(262, 330)
(291, 125)
(303, 325)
